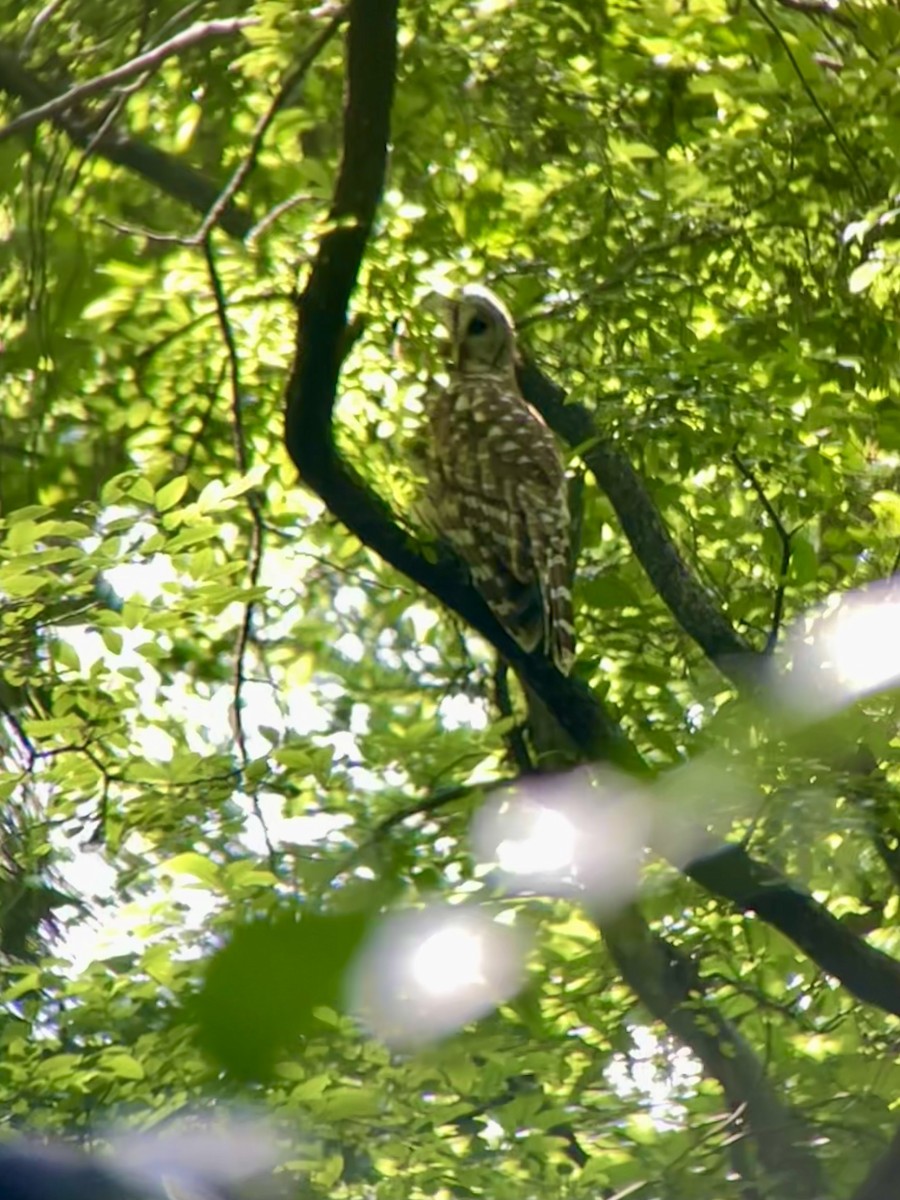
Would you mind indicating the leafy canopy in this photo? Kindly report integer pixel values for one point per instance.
(222, 711)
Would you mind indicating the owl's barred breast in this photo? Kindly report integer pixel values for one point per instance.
(479, 420)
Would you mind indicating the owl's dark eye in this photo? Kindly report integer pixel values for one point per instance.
(476, 326)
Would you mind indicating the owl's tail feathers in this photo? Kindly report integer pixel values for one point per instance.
(518, 606)
(534, 620)
(550, 555)
(559, 633)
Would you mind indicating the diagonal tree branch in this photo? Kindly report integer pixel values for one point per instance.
(148, 61)
(690, 603)
(289, 86)
(728, 872)
(322, 334)
(669, 986)
(785, 537)
(166, 172)
(751, 886)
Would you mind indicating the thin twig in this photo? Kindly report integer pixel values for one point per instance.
(784, 536)
(240, 175)
(41, 19)
(176, 19)
(268, 219)
(429, 804)
(26, 744)
(192, 36)
(820, 8)
(291, 82)
(257, 535)
(813, 98)
(109, 119)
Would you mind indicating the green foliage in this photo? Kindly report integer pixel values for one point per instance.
(263, 990)
(228, 728)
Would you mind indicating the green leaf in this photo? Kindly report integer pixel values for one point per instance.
(196, 865)
(170, 493)
(122, 1064)
(262, 990)
(862, 277)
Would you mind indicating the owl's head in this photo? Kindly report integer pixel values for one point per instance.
(482, 335)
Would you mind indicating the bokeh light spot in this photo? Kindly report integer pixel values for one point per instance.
(425, 974)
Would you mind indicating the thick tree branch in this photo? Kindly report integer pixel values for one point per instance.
(730, 872)
(166, 172)
(690, 603)
(866, 972)
(669, 986)
(322, 333)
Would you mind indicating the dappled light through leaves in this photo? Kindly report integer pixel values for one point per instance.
(285, 811)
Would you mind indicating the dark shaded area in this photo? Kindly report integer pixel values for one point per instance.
(56, 1173)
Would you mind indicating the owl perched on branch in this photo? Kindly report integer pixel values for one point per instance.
(496, 481)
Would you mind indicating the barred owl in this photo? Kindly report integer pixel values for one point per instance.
(496, 482)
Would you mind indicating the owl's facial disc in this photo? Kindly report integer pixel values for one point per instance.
(480, 328)
(484, 337)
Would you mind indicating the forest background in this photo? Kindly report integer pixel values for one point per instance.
(249, 728)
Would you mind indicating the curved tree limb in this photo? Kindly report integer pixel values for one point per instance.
(669, 986)
(322, 334)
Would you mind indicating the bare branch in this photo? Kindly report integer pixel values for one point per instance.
(39, 21)
(813, 98)
(729, 872)
(514, 739)
(287, 89)
(257, 534)
(192, 36)
(165, 171)
(321, 342)
(820, 8)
